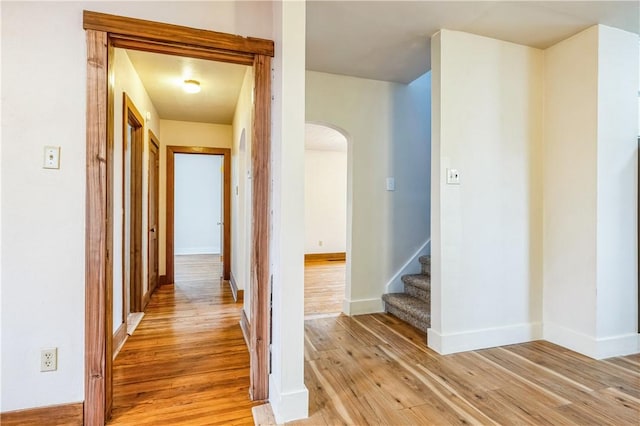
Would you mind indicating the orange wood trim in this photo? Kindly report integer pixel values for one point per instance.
(154, 143)
(119, 338)
(175, 34)
(170, 205)
(162, 280)
(246, 328)
(260, 274)
(65, 414)
(132, 116)
(237, 293)
(109, 232)
(96, 231)
(169, 217)
(185, 51)
(160, 38)
(318, 257)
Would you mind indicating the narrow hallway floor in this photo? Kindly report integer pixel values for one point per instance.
(187, 363)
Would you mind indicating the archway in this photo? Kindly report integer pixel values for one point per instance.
(327, 220)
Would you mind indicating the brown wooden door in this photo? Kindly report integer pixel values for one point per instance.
(154, 167)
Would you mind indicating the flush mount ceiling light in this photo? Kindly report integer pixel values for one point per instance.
(191, 86)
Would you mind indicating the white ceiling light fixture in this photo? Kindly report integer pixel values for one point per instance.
(191, 86)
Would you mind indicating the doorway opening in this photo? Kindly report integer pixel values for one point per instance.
(104, 34)
(205, 177)
(326, 220)
(198, 214)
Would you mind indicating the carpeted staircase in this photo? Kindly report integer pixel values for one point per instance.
(414, 305)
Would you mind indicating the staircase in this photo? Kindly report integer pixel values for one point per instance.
(414, 305)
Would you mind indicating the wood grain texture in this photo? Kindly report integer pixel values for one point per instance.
(160, 38)
(246, 327)
(135, 145)
(187, 363)
(119, 336)
(153, 216)
(237, 293)
(175, 34)
(170, 205)
(323, 287)
(261, 193)
(109, 345)
(376, 369)
(97, 354)
(55, 415)
(181, 50)
(321, 257)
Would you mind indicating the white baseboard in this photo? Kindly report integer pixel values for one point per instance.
(483, 338)
(362, 306)
(197, 250)
(590, 346)
(288, 406)
(412, 266)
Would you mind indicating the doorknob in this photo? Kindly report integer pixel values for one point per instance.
(152, 229)
(220, 223)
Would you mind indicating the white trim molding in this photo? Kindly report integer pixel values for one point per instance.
(450, 343)
(288, 406)
(362, 306)
(412, 266)
(197, 250)
(605, 347)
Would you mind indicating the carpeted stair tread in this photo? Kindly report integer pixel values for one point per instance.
(415, 307)
(425, 264)
(425, 260)
(421, 281)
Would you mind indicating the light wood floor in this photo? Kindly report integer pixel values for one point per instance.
(323, 287)
(187, 363)
(374, 369)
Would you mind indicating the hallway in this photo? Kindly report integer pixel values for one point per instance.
(187, 362)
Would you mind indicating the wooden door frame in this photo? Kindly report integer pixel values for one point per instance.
(103, 33)
(170, 205)
(133, 297)
(153, 140)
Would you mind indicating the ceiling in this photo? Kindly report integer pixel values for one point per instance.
(382, 40)
(162, 77)
(390, 40)
(323, 138)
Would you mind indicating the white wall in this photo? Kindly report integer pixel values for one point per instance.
(590, 204)
(184, 133)
(570, 176)
(487, 240)
(241, 188)
(126, 80)
(325, 201)
(388, 129)
(198, 203)
(43, 302)
(288, 395)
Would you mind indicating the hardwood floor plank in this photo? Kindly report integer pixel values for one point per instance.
(187, 363)
(323, 287)
(373, 369)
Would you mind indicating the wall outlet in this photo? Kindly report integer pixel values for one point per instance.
(49, 359)
(51, 157)
(453, 177)
(320, 243)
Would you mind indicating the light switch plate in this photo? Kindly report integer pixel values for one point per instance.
(51, 157)
(453, 177)
(391, 184)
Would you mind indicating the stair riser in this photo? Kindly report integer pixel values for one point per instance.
(417, 292)
(404, 316)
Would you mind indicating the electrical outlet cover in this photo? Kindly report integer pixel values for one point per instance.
(49, 359)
